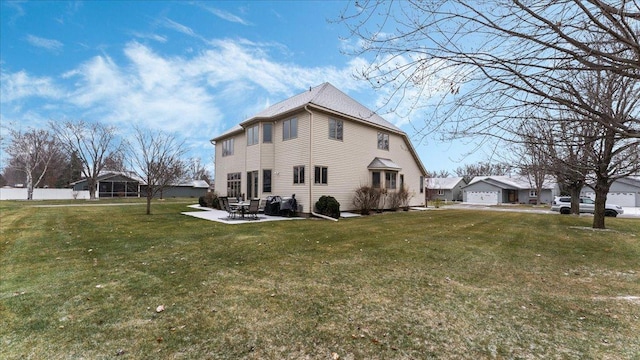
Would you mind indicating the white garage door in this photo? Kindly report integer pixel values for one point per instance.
(622, 199)
(482, 197)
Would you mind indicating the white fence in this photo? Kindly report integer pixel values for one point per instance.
(43, 194)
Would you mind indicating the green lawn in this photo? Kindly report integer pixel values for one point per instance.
(85, 282)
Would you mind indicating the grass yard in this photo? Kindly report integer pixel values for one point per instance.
(85, 282)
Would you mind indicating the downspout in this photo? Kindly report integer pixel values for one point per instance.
(306, 108)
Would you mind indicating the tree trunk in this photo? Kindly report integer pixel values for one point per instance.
(92, 188)
(29, 186)
(149, 204)
(602, 188)
(574, 191)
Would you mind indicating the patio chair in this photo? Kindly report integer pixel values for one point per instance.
(254, 206)
(231, 213)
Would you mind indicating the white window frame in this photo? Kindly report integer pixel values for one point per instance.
(253, 135)
(298, 175)
(390, 180)
(265, 132)
(323, 171)
(227, 147)
(336, 129)
(290, 129)
(383, 141)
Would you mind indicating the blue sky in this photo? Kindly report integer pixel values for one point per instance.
(194, 69)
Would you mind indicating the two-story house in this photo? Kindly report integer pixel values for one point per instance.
(320, 142)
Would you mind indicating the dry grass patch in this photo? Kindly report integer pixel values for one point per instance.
(86, 283)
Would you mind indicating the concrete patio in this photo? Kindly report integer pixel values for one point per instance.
(222, 216)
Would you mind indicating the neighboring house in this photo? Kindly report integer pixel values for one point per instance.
(186, 188)
(447, 189)
(112, 184)
(494, 190)
(624, 192)
(122, 184)
(320, 142)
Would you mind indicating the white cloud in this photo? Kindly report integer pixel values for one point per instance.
(195, 96)
(225, 15)
(20, 85)
(48, 44)
(154, 37)
(179, 27)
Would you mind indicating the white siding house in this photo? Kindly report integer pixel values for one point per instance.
(320, 142)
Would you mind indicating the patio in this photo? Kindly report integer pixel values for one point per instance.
(222, 216)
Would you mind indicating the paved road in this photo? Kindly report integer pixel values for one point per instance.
(629, 212)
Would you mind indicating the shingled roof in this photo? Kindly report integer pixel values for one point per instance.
(324, 96)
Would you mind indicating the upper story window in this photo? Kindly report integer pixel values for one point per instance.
(335, 129)
(252, 135)
(421, 184)
(267, 130)
(383, 141)
(227, 147)
(290, 129)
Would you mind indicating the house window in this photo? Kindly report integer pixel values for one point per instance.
(266, 132)
(335, 129)
(440, 192)
(266, 181)
(533, 193)
(290, 129)
(233, 185)
(320, 175)
(252, 135)
(375, 179)
(383, 141)
(421, 184)
(390, 178)
(227, 147)
(298, 174)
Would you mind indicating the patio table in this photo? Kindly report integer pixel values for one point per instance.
(243, 206)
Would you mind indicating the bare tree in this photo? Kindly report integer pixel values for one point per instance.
(561, 141)
(469, 171)
(438, 174)
(531, 157)
(31, 152)
(612, 155)
(156, 158)
(479, 67)
(92, 143)
(196, 170)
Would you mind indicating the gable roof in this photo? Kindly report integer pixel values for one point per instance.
(443, 183)
(516, 182)
(324, 97)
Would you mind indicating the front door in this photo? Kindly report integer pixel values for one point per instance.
(252, 184)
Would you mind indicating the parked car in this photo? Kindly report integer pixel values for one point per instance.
(562, 204)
